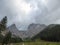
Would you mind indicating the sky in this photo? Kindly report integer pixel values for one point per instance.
(24, 12)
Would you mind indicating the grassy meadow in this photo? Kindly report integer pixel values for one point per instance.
(36, 43)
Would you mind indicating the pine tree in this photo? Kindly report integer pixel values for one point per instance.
(7, 38)
(3, 24)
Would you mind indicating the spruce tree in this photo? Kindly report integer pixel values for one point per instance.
(3, 24)
(7, 38)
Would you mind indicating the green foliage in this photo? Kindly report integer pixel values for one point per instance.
(4, 21)
(3, 24)
(37, 43)
(7, 38)
(16, 40)
(27, 40)
(1, 38)
(51, 33)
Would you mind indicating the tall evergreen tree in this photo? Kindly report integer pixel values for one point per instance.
(7, 38)
(3, 24)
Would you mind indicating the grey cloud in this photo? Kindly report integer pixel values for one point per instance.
(45, 13)
(52, 13)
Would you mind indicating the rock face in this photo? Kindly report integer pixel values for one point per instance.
(15, 32)
(33, 29)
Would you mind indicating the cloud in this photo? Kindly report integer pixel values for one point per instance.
(51, 14)
(24, 12)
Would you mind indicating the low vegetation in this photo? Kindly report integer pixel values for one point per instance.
(36, 43)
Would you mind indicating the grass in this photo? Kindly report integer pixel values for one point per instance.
(37, 43)
(42, 43)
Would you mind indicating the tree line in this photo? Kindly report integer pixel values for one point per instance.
(50, 33)
(7, 37)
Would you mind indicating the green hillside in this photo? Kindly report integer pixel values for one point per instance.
(50, 33)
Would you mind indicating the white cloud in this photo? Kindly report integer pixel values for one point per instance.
(24, 12)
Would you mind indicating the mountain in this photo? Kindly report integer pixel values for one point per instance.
(34, 29)
(50, 33)
(15, 32)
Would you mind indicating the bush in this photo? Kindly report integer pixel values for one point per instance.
(15, 40)
(1, 38)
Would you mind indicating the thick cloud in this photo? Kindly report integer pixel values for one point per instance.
(24, 12)
(53, 13)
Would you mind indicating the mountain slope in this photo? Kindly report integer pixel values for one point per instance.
(50, 33)
(15, 32)
(34, 29)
